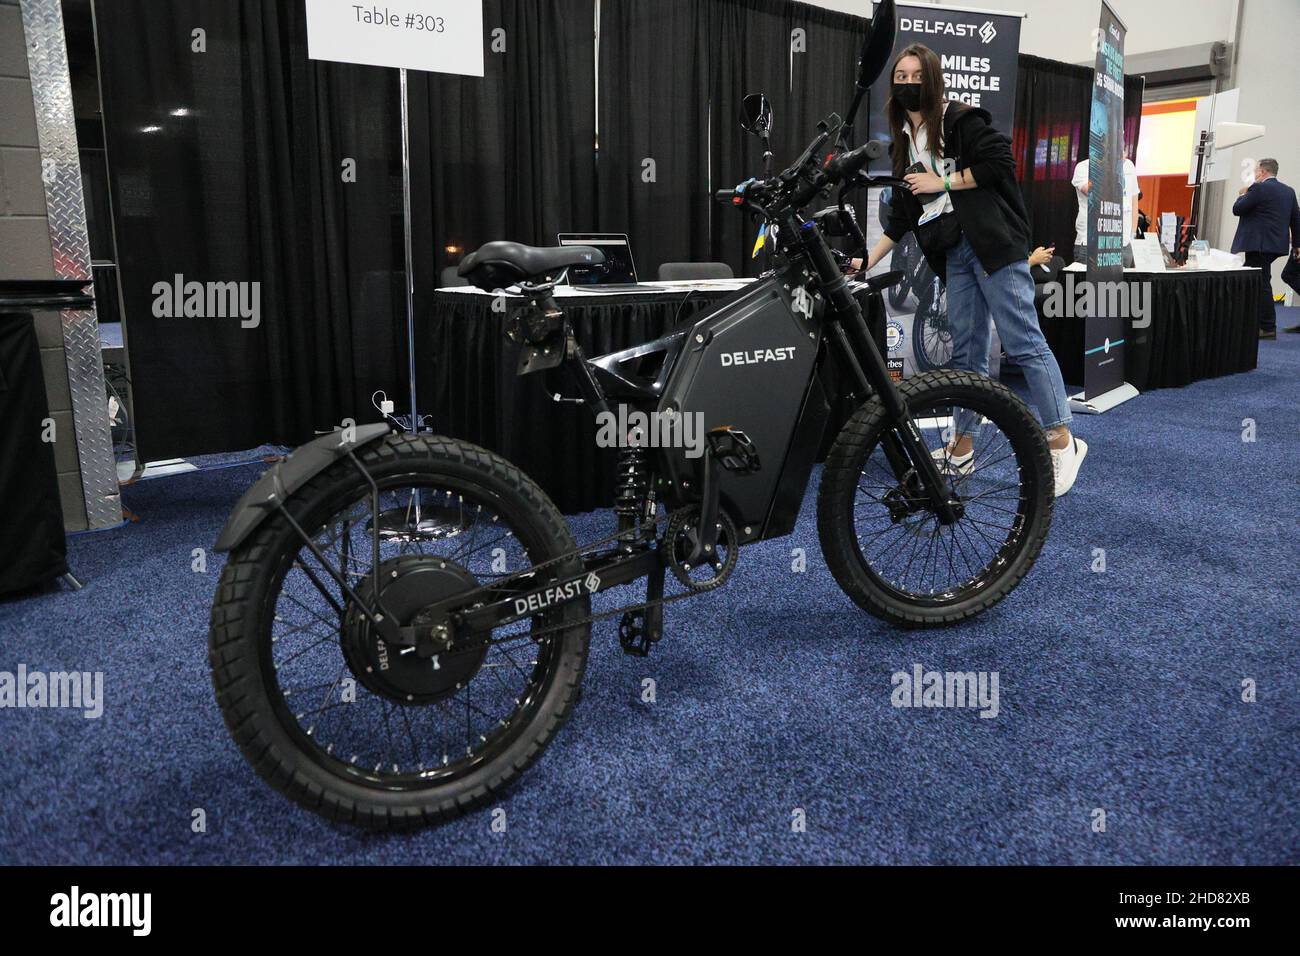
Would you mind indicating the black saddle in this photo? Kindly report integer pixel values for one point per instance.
(499, 264)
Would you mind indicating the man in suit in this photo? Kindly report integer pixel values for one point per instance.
(1268, 211)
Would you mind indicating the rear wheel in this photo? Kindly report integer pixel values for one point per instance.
(931, 333)
(362, 731)
(884, 544)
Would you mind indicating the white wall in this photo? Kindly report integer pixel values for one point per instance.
(1268, 75)
(1061, 29)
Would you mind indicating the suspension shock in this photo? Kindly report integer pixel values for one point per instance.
(633, 497)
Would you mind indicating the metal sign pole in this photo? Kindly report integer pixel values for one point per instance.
(456, 48)
(415, 421)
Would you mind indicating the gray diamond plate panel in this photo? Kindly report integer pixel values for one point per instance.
(47, 61)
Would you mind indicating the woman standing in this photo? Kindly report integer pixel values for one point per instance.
(969, 219)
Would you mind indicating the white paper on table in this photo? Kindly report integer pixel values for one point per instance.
(1147, 254)
(1219, 261)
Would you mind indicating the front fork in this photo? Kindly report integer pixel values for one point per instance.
(904, 447)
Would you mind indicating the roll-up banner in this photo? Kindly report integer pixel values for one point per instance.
(1105, 328)
(980, 51)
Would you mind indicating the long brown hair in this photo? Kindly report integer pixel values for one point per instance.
(932, 97)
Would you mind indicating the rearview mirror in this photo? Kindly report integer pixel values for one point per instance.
(878, 44)
(756, 114)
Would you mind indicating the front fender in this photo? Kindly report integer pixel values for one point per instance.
(285, 477)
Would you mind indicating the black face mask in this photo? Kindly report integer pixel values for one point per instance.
(908, 96)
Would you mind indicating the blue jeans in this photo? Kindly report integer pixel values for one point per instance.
(1008, 297)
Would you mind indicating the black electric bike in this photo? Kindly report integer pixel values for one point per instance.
(403, 621)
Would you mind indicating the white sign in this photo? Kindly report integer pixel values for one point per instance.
(1218, 162)
(438, 36)
(1147, 254)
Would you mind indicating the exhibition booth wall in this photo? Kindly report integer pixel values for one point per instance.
(233, 157)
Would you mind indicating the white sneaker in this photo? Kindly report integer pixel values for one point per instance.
(1066, 462)
(953, 464)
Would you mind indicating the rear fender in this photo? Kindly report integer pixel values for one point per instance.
(282, 479)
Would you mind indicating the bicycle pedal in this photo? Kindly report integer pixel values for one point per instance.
(733, 450)
(633, 636)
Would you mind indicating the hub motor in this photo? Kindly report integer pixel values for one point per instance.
(409, 584)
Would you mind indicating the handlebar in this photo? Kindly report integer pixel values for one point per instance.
(797, 186)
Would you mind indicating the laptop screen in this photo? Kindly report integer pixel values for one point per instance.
(618, 267)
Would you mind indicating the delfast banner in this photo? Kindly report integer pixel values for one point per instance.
(980, 52)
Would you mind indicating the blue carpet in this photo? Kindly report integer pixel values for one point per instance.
(1119, 690)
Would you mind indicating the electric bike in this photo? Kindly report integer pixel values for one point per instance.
(403, 621)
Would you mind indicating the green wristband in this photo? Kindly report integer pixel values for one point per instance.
(947, 186)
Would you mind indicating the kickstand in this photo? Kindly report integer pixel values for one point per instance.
(654, 592)
(640, 630)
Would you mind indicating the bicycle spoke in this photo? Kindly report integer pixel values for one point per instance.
(359, 701)
(900, 538)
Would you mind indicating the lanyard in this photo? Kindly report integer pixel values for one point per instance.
(912, 156)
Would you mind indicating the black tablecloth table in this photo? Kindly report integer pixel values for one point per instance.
(1203, 325)
(32, 547)
(467, 382)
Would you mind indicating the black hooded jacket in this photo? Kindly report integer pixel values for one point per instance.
(992, 215)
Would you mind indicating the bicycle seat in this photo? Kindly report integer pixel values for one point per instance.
(496, 265)
(883, 281)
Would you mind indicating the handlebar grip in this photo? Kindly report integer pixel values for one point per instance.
(848, 164)
(727, 196)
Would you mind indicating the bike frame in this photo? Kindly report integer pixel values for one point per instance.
(683, 381)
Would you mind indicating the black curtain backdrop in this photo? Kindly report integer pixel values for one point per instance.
(653, 163)
(672, 78)
(807, 76)
(510, 155)
(1053, 103)
(227, 167)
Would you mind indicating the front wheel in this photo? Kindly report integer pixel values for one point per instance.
(884, 544)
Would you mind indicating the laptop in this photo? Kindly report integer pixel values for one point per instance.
(616, 274)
